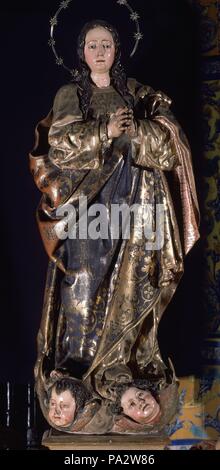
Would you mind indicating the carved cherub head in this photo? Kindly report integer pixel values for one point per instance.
(140, 405)
(66, 398)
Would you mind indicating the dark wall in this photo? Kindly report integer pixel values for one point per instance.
(167, 59)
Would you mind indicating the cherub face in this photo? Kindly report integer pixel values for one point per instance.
(140, 405)
(99, 50)
(62, 408)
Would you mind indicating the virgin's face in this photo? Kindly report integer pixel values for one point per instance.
(62, 408)
(140, 405)
(99, 50)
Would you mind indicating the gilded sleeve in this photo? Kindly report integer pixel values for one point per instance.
(153, 145)
(74, 143)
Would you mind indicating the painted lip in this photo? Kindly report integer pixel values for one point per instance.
(100, 61)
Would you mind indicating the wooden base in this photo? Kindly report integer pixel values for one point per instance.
(54, 441)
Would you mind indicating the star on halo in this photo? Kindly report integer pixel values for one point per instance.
(53, 21)
(59, 61)
(51, 42)
(134, 16)
(138, 36)
(65, 3)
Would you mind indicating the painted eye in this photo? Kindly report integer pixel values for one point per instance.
(52, 405)
(132, 404)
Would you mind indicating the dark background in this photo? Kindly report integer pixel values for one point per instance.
(167, 59)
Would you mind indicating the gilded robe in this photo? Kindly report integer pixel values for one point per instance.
(104, 298)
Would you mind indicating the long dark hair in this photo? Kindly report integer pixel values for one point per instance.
(117, 74)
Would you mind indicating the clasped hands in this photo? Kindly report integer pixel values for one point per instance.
(122, 121)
